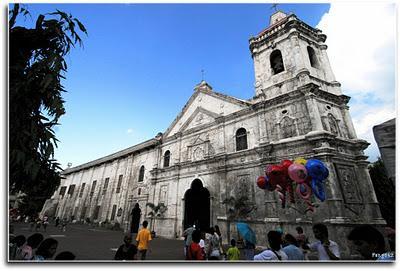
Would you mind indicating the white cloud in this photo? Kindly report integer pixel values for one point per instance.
(129, 131)
(361, 48)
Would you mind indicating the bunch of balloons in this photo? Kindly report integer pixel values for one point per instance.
(308, 176)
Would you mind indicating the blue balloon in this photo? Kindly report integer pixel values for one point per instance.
(316, 169)
(318, 188)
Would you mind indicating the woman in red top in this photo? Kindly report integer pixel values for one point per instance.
(195, 252)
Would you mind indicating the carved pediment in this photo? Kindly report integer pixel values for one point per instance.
(199, 117)
(203, 108)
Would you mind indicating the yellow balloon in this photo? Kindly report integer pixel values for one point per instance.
(300, 161)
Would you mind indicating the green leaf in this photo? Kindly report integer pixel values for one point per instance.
(81, 26)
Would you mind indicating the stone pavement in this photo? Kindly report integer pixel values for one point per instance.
(98, 244)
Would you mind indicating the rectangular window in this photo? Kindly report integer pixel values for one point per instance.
(93, 188)
(62, 190)
(119, 183)
(105, 185)
(114, 210)
(96, 212)
(82, 189)
(71, 189)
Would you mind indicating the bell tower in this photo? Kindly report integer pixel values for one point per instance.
(288, 54)
(303, 113)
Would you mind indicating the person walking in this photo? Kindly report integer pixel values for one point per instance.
(275, 253)
(233, 253)
(290, 248)
(57, 220)
(136, 213)
(143, 238)
(195, 252)
(126, 251)
(46, 250)
(45, 222)
(328, 250)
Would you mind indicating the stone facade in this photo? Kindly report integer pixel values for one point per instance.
(385, 137)
(298, 111)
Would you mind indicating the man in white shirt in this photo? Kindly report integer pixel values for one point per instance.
(328, 250)
(275, 253)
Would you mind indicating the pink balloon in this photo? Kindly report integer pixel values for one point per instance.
(297, 173)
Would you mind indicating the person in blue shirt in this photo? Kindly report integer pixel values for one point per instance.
(291, 249)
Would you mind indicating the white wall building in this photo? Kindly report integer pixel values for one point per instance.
(218, 146)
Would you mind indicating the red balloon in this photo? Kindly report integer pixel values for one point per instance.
(277, 175)
(261, 182)
(285, 164)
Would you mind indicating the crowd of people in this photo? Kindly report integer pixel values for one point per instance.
(367, 241)
(36, 248)
(207, 245)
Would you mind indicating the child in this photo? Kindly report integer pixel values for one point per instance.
(195, 252)
(233, 252)
(143, 238)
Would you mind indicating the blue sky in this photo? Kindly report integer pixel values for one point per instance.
(140, 63)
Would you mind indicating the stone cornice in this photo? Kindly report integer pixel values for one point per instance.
(149, 144)
(287, 25)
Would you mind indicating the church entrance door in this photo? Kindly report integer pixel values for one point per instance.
(197, 206)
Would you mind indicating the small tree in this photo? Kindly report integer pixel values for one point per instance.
(384, 190)
(237, 209)
(156, 211)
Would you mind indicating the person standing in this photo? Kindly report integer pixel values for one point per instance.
(136, 213)
(214, 248)
(218, 232)
(57, 220)
(32, 243)
(187, 234)
(290, 248)
(127, 251)
(275, 253)
(327, 249)
(15, 246)
(143, 238)
(249, 250)
(195, 252)
(46, 250)
(233, 253)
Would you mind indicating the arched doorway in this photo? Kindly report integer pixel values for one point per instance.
(197, 206)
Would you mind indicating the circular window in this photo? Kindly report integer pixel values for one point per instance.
(328, 107)
(284, 112)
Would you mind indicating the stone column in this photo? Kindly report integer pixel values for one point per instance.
(315, 116)
(349, 123)
(330, 77)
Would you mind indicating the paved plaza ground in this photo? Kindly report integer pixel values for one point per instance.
(89, 243)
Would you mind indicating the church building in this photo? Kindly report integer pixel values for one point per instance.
(212, 153)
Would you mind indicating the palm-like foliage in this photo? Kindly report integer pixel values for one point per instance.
(36, 67)
(237, 209)
(156, 211)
